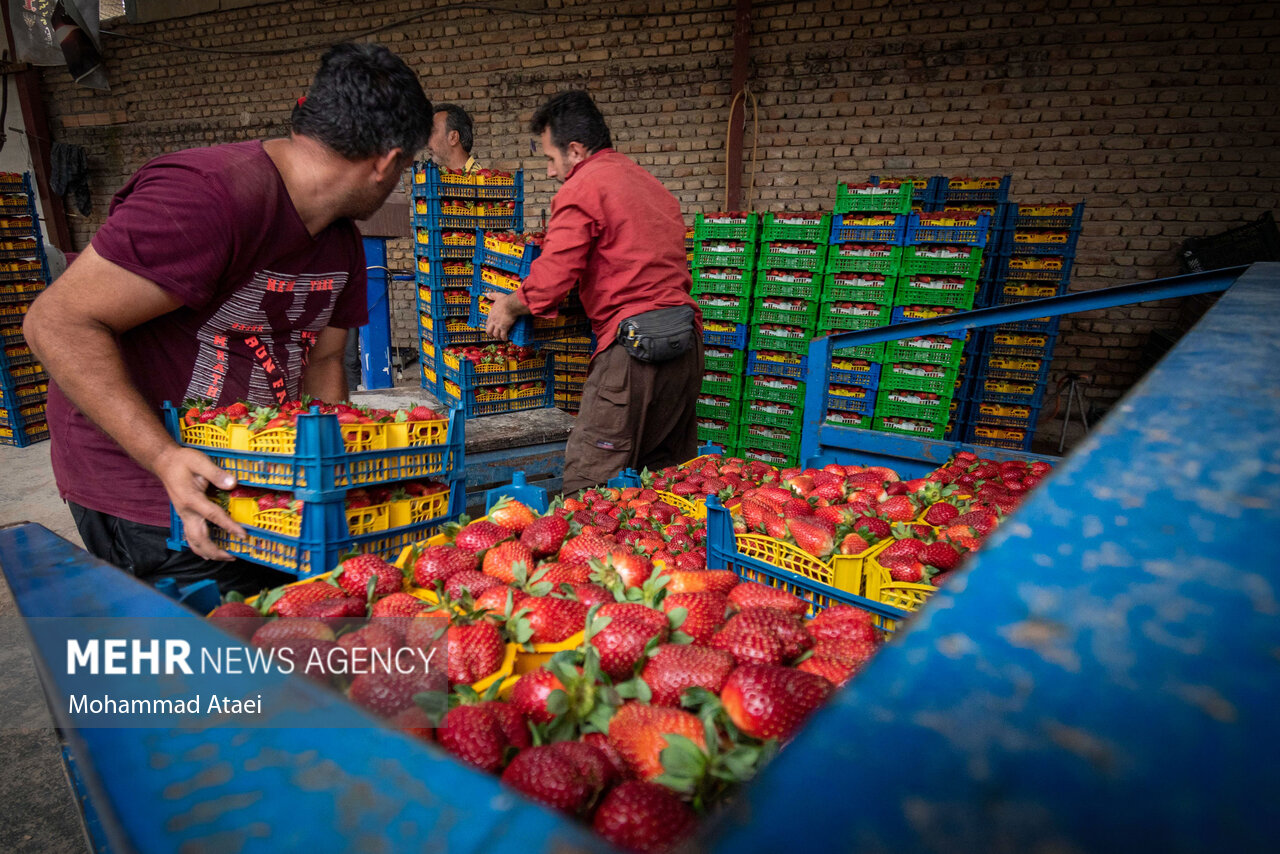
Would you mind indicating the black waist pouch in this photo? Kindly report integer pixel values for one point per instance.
(659, 335)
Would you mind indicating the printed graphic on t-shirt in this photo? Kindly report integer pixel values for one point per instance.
(255, 346)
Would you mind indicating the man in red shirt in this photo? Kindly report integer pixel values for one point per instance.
(618, 234)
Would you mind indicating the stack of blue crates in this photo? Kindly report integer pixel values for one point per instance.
(24, 273)
(448, 208)
(1008, 388)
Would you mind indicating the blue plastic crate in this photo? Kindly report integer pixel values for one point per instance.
(998, 390)
(518, 267)
(926, 191)
(736, 340)
(324, 537)
(891, 235)
(433, 302)
(428, 183)
(794, 367)
(429, 244)
(959, 235)
(997, 191)
(1066, 251)
(864, 404)
(1006, 438)
(867, 376)
(476, 403)
(1006, 270)
(899, 315)
(26, 435)
(1069, 217)
(321, 468)
(468, 377)
(465, 215)
(1007, 367)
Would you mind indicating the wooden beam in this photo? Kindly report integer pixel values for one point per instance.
(738, 117)
(35, 120)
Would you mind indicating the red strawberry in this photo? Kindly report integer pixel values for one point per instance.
(592, 761)
(835, 672)
(600, 742)
(475, 651)
(853, 652)
(414, 721)
(511, 514)
(897, 508)
(852, 544)
(502, 560)
(752, 595)
(469, 581)
(564, 573)
(437, 563)
(335, 612)
(674, 667)
(638, 733)
(237, 618)
(530, 694)
(397, 611)
(912, 573)
(480, 735)
(622, 569)
(872, 528)
(358, 646)
(480, 536)
(941, 513)
(762, 636)
(644, 817)
(765, 701)
(843, 621)
(812, 537)
(554, 619)
(279, 633)
(650, 617)
(582, 548)
(355, 572)
(981, 521)
(908, 548)
(544, 536)
(425, 629)
(587, 594)
(940, 555)
(293, 599)
(422, 413)
(621, 643)
(549, 777)
(704, 612)
(385, 693)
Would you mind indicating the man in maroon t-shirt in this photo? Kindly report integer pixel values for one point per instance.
(226, 273)
(618, 234)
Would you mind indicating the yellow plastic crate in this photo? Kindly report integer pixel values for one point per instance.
(880, 586)
(844, 572)
(412, 511)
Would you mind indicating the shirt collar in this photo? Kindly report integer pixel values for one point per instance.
(587, 160)
(470, 165)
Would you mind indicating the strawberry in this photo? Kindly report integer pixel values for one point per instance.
(545, 535)
(547, 776)
(720, 580)
(650, 617)
(752, 595)
(897, 508)
(852, 544)
(511, 514)
(674, 667)
(475, 651)
(621, 643)
(621, 570)
(437, 563)
(835, 672)
(238, 618)
(763, 636)
(564, 573)
(842, 621)
(941, 513)
(583, 548)
(359, 645)
(424, 630)
(940, 556)
(981, 521)
(600, 742)
(355, 573)
(644, 817)
(530, 694)
(422, 413)
(766, 701)
(911, 573)
(293, 598)
(595, 765)
(754, 513)
(388, 693)
(704, 612)
(908, 548)
(481, 734)
(279, 633)
(502, 560)
(812, 537)
(414, 721)
(853, 652)
(480, 536)
(335, 613)
(397, 611)
(553, 619)
(638, 733)
(469, 581)
(587, 594)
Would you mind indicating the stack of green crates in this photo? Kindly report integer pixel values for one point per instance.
(784, 312)
(723, 270)
(864, 261)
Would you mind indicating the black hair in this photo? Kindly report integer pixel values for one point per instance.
(364, 102)
(461, 122)
(573, 117)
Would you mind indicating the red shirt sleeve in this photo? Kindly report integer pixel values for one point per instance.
(565, 250)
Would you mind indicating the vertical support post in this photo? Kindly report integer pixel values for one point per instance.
(815, 396)
(738, 116)
(375, 336)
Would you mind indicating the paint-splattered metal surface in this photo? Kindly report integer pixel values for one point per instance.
(1106, 675)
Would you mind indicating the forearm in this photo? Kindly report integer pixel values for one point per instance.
(84, 359)
(325, 379)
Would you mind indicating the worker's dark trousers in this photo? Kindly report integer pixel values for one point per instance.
(633, 414)
(141, 550)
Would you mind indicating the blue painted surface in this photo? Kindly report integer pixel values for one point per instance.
(1103, 676)
(375, 336)
(333, 780)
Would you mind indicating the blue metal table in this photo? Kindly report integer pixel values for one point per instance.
(1101, 678)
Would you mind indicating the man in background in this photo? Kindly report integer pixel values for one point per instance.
(452, 135)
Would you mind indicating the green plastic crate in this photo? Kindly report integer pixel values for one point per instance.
(936, 290)
(768, 437)
(716, 358)
(870, 352)
(962, 261)
(857, 420)
(919, 376)
(731, 308)
(934, 349)
(779, 389)
(773, 413)
(768, 309)
(909, 427)
(834, 315)
(773, 458)
(805, 284)
(891, 201)
(722, 410)
(720, 431)
(862, 289)
(904, 403)
(722, 280)
(814, 258)
(761, 340)
(744, 230)
(722, 384)
(853, 258)
(713, 253)
(783, 226)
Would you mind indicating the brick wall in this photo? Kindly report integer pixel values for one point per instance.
(1160, 116)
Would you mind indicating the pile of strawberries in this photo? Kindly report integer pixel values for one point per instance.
(669, 682)
(286, 414)
(373, 496)
(492, 354)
